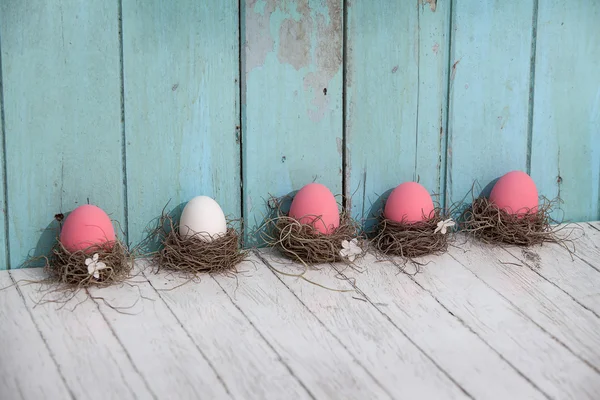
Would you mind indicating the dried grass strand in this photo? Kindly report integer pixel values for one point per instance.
(410, 240)
(303, 242)
(192, 254)
(69, 269)
(492, 225)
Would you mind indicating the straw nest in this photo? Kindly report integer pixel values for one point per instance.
(412, 240)
(490, 224)
(99, 265)
(195, 254)
(303, 242)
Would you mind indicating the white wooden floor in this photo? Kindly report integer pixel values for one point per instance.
(478, 322)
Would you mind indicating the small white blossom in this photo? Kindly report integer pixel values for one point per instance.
(442, 226)
(94, 266)
(350, 249)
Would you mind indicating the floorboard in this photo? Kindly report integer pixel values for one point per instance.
(570, 273)
(90, 357)
(472, 284)
(479, 322)
(315, 356)
(246, 362)
(24, 352)
(456, 348)
(399, 365)
(155, 340)
(549, 307)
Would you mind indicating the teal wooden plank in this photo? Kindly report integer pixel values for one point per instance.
(565, 151)
(292, 99)
(396, 94)
(489, 92)
(61, 72)
(3, 244)
(181, 74)
(434, 50)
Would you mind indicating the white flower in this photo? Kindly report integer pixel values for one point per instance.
(443, 225)
(94, 266)
(350, 249)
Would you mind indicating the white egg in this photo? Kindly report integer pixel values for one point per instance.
(203, 217)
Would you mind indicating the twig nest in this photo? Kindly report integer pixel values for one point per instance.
(314, 231)
(410, 225)
(485, 221)
(413, 239)
(512, 214)
(97, 265)
(196, 252)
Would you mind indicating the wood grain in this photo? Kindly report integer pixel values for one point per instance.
(543, 302)
(4, 261)
(61, 82)
(181, 77)
(590, 245)
(247, 363)
(291, 100)
(27, 369)
(571, 273)
(521, 318)
(434, 52)
(162, 350)
(91, 359)
(395, 99)
(437, 332)
(388, 354)
(565, 149)
(313, 353)
(489, 92)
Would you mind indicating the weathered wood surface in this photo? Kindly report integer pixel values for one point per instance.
(291, 100)
(565, 148)
(438, 332)
(389, 354)
(158, 344)
(395, 99)
(571, 273)
(489, 92)
(590, 245)
(246, 362)
(545, 335)
(478, 322)
(132, 104)
(24, 353)
(314, 354)
(90, 357)
(61, 87)
(181, 87)
(546, 304)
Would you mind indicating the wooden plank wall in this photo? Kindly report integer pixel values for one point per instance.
(291, 99)
(130, 104)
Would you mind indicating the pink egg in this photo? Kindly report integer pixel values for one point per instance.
(515, 193)
(314, 204)
(410, 202)
(87, 226)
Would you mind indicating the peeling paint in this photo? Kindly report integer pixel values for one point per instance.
(432, 4)
(340, 145)
(259, 42)
(294, 42)
(454, 68)
(436, 48)
(328, 57)
(503, 119)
